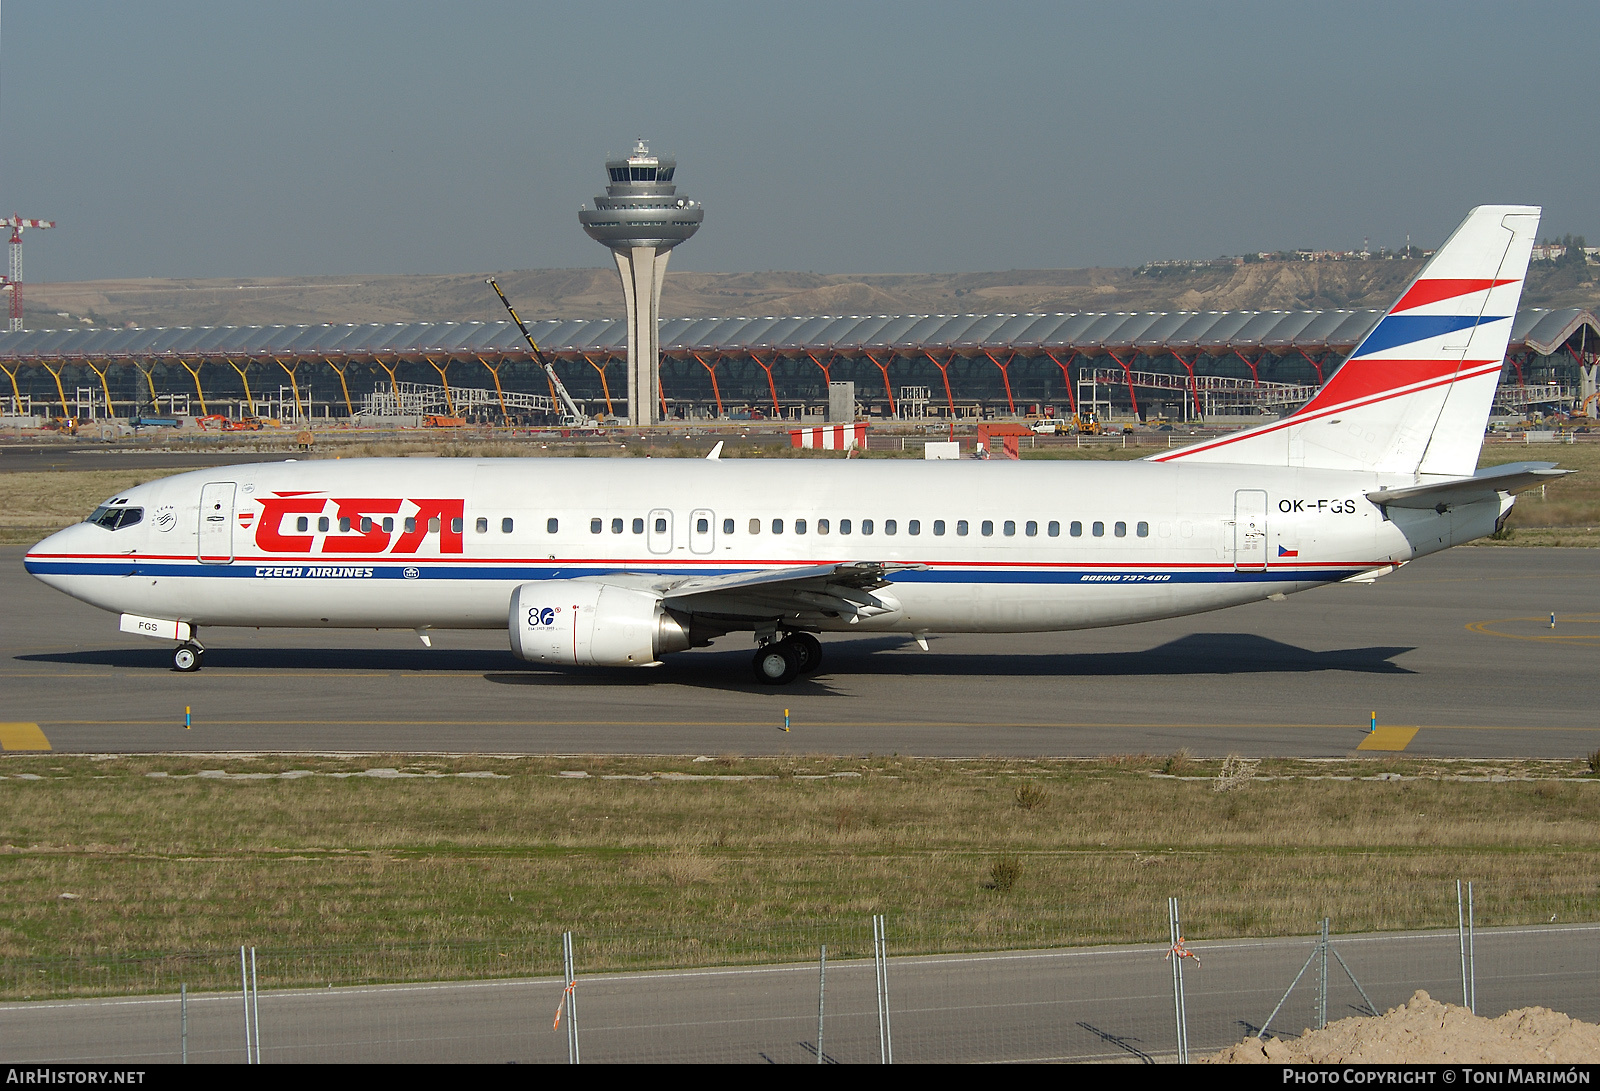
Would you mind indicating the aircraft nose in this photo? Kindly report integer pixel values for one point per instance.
(47, 558)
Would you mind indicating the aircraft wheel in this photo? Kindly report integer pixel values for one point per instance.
(777, 664)
(186, 658)
(810, 649)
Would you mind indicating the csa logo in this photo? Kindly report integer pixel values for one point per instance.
(166, 518)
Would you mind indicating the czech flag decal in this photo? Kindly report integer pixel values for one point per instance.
(1282, 552)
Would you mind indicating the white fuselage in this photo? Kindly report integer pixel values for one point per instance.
(1007, 546)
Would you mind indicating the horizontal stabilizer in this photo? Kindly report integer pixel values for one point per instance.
(1483, 485)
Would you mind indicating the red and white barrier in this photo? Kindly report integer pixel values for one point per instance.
(831, 437)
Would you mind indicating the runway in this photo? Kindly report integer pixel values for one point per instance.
(1458, 646)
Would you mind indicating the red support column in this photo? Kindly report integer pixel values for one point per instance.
(1066, 377)
(949, 400)
(716, 392)
(884, 367)
(1194, 387)
(1312, 361)
(1128, 373)
(1249, 363)
(771, 386)
(1005, 377)
(1518, 365)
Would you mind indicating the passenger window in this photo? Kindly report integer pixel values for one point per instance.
(1142, 529)
(777, 526)
(755, 526)
(866, 526)
(938, 527)
(302, 524)
(433, 525)
(482, 525)
(914, 526)
(322, 523)
(1121, 530)
(410, 524)
(505, 525)
(616, 526)
(1076, 529)
(1010, 528)
(961, 528)
(822, 527)
(552, 526)
(1053, 528)
(388, 524)
(702, 526)
(638, 526)
(1099, 530)
(844, 526)
(366, 524)
(799, 526)
(455, 525)
(344, 524)
(727, 526)
(661, 525)
(988, 528)
(1031, 529)
(889, 526)
(594, 526)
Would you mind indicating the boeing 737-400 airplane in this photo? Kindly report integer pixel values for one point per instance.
(616, 563)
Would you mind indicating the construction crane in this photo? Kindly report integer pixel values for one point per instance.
(13, 280)
(573, 415)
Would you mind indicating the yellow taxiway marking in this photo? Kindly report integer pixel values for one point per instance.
(1580, 629)
(1388, 738)
(22, 737)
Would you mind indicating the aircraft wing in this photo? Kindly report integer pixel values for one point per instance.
(1483, 485)
(830, 590)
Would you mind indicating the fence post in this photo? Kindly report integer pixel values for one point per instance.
(244, 989)
(255, 1003)
(183, 1021)
(1461, 937)
(570, 970)
(1472, 957)
(822, 993)
(1322, 984)
(1180, 1014)
(880, 958)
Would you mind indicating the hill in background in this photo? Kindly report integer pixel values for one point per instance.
(596, 293)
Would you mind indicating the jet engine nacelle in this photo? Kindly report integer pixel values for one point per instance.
(579, 623)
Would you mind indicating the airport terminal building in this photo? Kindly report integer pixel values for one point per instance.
(1175, 365)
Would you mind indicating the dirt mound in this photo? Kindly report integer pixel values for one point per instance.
(1424, 1031)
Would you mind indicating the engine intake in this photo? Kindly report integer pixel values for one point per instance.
(579, 623)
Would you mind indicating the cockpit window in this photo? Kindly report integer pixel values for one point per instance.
(115, 518)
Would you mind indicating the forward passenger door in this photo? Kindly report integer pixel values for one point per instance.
(216, 522)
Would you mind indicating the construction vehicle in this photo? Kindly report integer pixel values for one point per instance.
(1087, 423)
(243, 424)
(438, 420)
(572, 417)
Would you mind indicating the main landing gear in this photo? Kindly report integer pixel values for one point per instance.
(188, 657)
(780, 662)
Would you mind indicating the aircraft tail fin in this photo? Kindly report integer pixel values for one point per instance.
(1414, 396)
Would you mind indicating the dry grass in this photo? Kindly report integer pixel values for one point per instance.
(170, 864)
(33, 505)
(1566, 513)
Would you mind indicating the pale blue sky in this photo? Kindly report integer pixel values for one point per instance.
(238, 139)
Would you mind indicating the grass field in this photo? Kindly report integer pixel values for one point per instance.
(153, 854)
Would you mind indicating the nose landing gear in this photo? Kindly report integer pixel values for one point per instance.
(188, 657)
(780, 662)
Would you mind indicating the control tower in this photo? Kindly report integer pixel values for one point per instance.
(641, 219)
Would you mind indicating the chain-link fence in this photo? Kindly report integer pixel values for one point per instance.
(766, 994)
